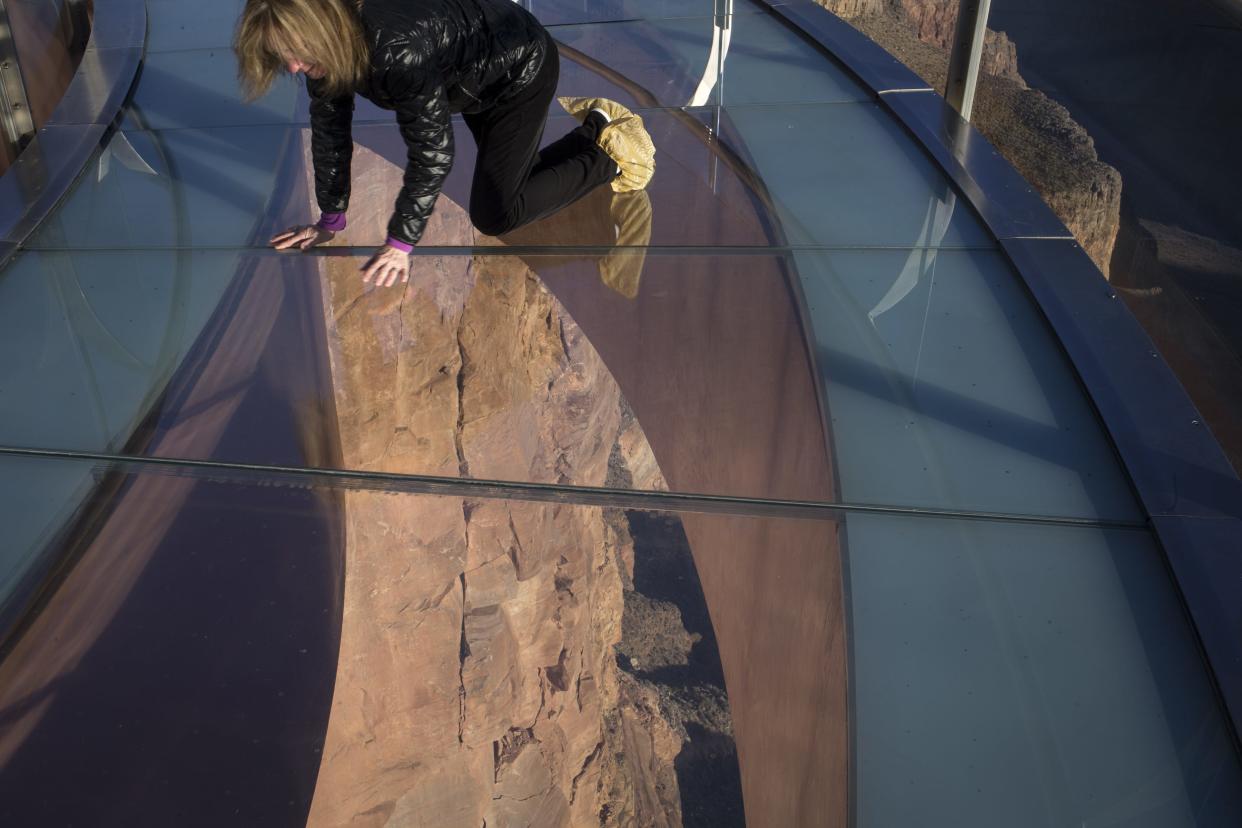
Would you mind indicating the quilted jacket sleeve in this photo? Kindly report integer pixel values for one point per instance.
(332, 147)
(423, 117)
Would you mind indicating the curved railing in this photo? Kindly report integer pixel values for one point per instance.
(55, 150)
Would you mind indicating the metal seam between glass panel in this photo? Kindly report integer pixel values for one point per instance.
(672, 18)
(641, 110)
(345, 251)
(549, 26)
(549, 492)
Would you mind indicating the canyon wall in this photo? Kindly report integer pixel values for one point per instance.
(477, 681)
(1036, 134)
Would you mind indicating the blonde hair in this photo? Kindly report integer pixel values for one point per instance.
(326, 33)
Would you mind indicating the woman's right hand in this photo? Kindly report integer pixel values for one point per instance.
(301, 237)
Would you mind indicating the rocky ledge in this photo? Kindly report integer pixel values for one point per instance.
(1036, 134)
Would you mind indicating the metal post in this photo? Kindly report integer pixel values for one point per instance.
(16, 121)
(75, 25)
(724, 20)
(972, 23)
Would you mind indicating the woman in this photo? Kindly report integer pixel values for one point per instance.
(489, 60)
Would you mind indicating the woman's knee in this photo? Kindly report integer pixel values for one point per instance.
(491, 222)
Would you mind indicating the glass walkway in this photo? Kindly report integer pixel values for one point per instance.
(767, 495)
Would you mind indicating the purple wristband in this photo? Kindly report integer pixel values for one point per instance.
(397, 244)
(335, 222)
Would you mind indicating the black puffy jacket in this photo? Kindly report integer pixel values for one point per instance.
(429, 59)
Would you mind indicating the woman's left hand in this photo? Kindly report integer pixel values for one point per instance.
(387, 266)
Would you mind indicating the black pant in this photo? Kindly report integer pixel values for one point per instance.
(514, 182)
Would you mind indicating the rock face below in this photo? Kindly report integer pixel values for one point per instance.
(477, 681)
(934, 22)
(1036, 134)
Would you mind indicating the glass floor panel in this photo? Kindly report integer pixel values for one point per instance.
(177, 188)
(675, 61)
(649, 63)
(94, 347)
(1028, 676)
(174, 25)
(1020, 653)
(849, 175)
(199, 88)
(234, 187)
(465, 372)
(267, 616)
(231, 637)
(944, 388)
(728, 184)
(561, 12)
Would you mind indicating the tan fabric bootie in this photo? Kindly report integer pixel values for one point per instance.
(624, 138)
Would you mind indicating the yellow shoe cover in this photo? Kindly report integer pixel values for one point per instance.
(624, 139)
(622, 268)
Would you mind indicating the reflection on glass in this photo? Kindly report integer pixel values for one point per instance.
(921, 262)
(948, 390)
(713, 73)
(325, 652)
(848, 175)
(198, 88)
(91, 348)
(944, 386)
(619, 224)
(1153, 84)
(560, 12)
(513, 365)
(681, 60)
(175, 188)
(631, 215)
(232, 187)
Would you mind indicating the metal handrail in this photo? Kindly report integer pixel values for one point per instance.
(16, 120)
(968, 38)
(23, 108)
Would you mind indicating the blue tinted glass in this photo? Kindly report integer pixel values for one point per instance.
(175, 25)
(175, 188)
(93, 340)
(848, 175)
(678, 61)
(199, 89)
(218, 188)
(1028, 676)
(560, 12)
(948, 390)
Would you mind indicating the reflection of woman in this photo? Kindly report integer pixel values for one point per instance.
(427, 59)
(618, 225)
